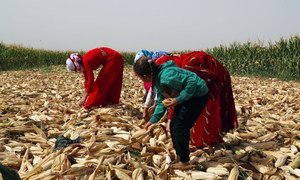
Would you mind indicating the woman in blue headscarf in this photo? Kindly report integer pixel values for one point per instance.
(150, 54)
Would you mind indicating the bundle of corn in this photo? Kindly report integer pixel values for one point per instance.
(37, 107)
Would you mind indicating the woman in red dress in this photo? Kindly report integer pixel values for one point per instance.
(219, 114)
(106, 88)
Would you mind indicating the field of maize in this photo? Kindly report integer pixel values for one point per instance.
(280, 59)
(39, 105)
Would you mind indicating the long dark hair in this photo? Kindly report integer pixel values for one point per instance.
(145, 66)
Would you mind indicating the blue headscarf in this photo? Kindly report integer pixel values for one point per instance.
(149, 54)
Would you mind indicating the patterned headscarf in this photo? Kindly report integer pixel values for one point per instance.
(149, 54)
(74, 62)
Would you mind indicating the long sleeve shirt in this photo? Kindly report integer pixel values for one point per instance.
(187, 83)
(92, 61)
(149, 97)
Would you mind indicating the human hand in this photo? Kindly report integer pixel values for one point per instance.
(148, 111)
(168, 125)
(169, 102)
(82, 102)
(145, 112)
(151, 110)
(83, 99)
(148, 125)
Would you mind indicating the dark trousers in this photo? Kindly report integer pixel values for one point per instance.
(185, 115)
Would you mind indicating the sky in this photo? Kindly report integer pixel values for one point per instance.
(132, 25)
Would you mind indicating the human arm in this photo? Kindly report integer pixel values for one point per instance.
(83, 98)
(159, 109)
(88, 79)
(151, 109)
(185, 83)
(170, 116)
(147, 108)
(148, 98)
(168, 125)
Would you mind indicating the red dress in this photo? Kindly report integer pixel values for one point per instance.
(106, 89)
(219, 114)
(176, 58)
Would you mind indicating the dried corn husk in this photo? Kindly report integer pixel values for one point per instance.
(281, 160)
(36, 107)
(234, 173)
(296, 162)
(219, 170)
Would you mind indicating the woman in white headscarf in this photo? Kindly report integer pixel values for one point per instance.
(106, 88)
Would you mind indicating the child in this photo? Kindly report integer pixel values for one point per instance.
(106, 89)
(188, 102)
(150, 95)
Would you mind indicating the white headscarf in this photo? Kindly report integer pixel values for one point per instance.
(73, 63)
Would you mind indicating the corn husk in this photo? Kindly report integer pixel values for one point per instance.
(234, 173)
(38, 106)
